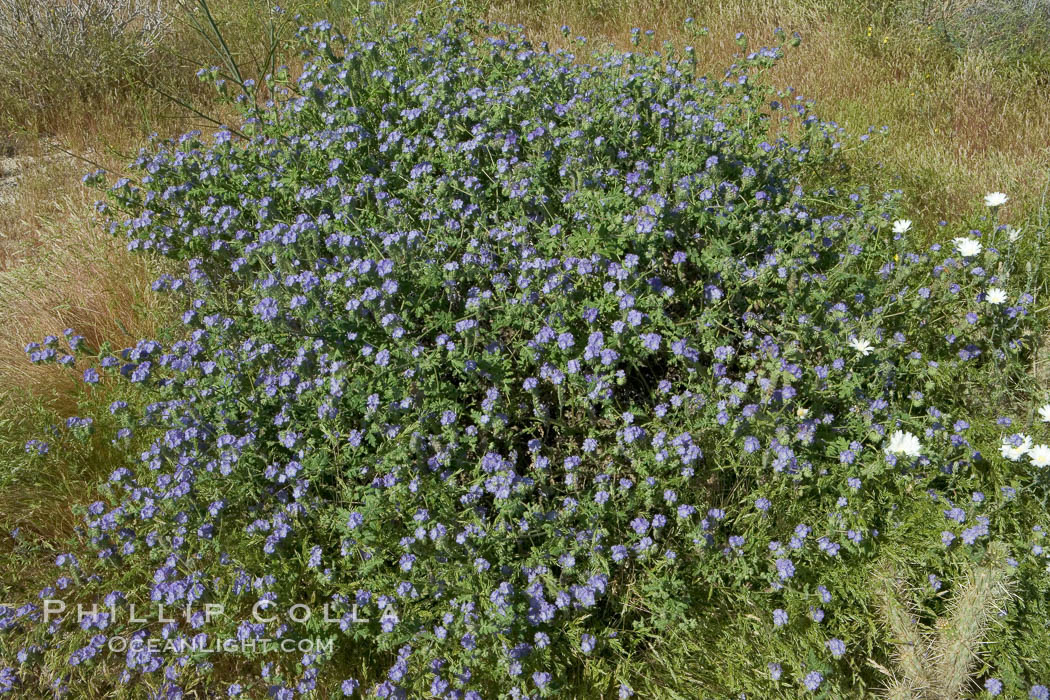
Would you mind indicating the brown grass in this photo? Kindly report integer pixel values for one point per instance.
(59, 269)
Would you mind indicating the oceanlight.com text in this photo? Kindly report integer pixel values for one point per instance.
(202, 643)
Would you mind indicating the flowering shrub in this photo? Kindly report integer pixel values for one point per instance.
(524, 367)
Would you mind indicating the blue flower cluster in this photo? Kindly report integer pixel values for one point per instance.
(517, 363)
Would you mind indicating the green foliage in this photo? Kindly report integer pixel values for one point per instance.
(565, 373)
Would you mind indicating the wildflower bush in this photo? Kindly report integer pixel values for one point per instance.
(545, 376)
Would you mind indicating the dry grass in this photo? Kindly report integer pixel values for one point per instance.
(47, 94)
(59, 269)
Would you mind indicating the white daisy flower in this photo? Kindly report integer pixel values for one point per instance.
(862, 346)
(1040, 455)
(995, 295)
(905, 444)
(1044, 413)
(968, 247)
(802, 412)
(1012, 451)
(901, 225)
(995, 199)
